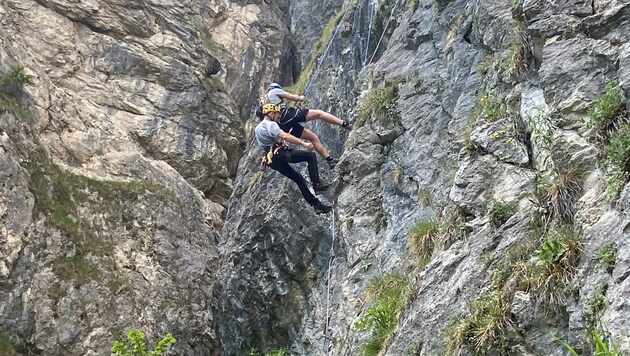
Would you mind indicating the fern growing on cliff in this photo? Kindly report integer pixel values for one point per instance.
(138, 346)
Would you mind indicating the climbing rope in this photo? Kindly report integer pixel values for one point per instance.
(367, 46)
(328, 337)
(323, 58)
(384, 31)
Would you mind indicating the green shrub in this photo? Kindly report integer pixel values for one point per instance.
(138, 346)
(617, 162)
(422, 239)
(389, 296)
(11, 85)
(488, 326)
(501, 212)
(604, 112)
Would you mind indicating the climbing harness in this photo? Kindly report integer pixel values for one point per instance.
(267, 159)
(327, 331)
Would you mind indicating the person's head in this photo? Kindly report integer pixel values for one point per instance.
(274, 86)
(272, 111)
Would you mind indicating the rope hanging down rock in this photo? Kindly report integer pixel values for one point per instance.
(367, 45)
(323, 58)
(327, 331)
(384, 31)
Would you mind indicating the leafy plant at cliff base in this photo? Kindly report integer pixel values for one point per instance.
(389, 295)
(138, 346)
(11, 84)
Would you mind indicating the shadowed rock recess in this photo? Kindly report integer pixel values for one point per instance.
(482, 204)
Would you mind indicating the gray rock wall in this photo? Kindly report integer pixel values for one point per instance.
(492, 96)
(118, 163)
(130, 195)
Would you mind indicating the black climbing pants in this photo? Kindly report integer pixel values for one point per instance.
(281, 162)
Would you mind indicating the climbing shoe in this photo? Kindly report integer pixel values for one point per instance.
(321, 208)
(332, 162)
(320, 187)
(347, 124)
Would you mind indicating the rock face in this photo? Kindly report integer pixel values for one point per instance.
(490, 100)
(130, 194)
(118, 162)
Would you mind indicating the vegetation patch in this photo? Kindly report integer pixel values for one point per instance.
(214, 85)
(519, 56)
(617, 162)
(554, 266)
(501, 212)
(609, 120)
(389, 296)
(276, 352)
(7, 348)
(59, 195)
(609, 112)
(137, 345)
(11, 85)
(380, 101)
(423, 238)
(213, 46)
(562, 192)
(607, 257)
(603, 344)
(486, 327)
(491, 108)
